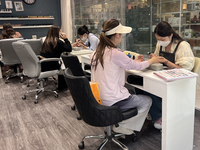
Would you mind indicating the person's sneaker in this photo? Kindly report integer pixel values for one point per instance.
(122, 130)
(158, 124)
(149, 116)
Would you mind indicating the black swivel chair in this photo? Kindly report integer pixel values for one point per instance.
(92, 112)
(72, 62)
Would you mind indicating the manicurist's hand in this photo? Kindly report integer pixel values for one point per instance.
(75, 44)
(152, 55)
(82, 45)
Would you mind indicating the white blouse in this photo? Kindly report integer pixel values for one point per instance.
(183, 57)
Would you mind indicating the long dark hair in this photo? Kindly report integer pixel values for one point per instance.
(7, 31)
(51, 39)
(164, 29)
(82, 30)
(104, 41)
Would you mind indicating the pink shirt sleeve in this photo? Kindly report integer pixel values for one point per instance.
(120, 59)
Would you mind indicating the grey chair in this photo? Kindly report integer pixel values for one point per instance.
(10, 58)
(32, 67)
(35, 44)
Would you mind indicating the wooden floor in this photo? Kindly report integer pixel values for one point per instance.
(52, 125)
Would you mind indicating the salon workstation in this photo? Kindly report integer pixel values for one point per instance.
(106, 75)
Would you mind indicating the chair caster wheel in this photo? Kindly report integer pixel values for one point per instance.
(133, 138)
(6, 82)
(79, 118)
(81, 145)
(24, 97)
(73, 108)
(35, 102)
(28, 85)
(56, 96)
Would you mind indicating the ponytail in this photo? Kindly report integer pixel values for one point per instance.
(104, 42)
(82, 30)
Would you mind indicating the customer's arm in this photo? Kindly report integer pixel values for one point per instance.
(18, 35)
(120, 59)
(64, 47)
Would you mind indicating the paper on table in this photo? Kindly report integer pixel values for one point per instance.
(175, 74)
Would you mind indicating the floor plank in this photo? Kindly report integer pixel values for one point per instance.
(52, 125)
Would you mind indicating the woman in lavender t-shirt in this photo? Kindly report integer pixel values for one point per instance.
(108, 65)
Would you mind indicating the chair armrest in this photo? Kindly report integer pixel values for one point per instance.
(65, 53)
(50, 59)
(87, 67)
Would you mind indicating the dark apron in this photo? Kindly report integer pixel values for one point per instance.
(167, 55)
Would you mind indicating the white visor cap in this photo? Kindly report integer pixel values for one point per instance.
(119, 29)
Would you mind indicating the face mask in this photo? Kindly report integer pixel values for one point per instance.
(164, 44)
(84, 38)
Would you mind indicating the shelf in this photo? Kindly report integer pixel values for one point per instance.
(189, 11)
(192, 38)
(189, 24)
(5, 12)
(26, 18)
(42, 26)
(177, 12)
(175, 25)
(194, 48)
(167, 2)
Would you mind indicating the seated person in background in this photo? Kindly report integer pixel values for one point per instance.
(108, 65)
(73, 44)
(7, 33)
(91, 40)
(53, 48)
(177, 54)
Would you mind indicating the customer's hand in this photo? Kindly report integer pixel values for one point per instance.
(63, 36)
(156, 59)
(17, 35)
(139, 58)
(75, 44)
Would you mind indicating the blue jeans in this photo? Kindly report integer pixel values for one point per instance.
(156, 107)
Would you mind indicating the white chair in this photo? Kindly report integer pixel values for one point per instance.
(10, 58)
(32, 67)
(36, 44)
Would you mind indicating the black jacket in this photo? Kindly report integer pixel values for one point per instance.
(56, 52)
